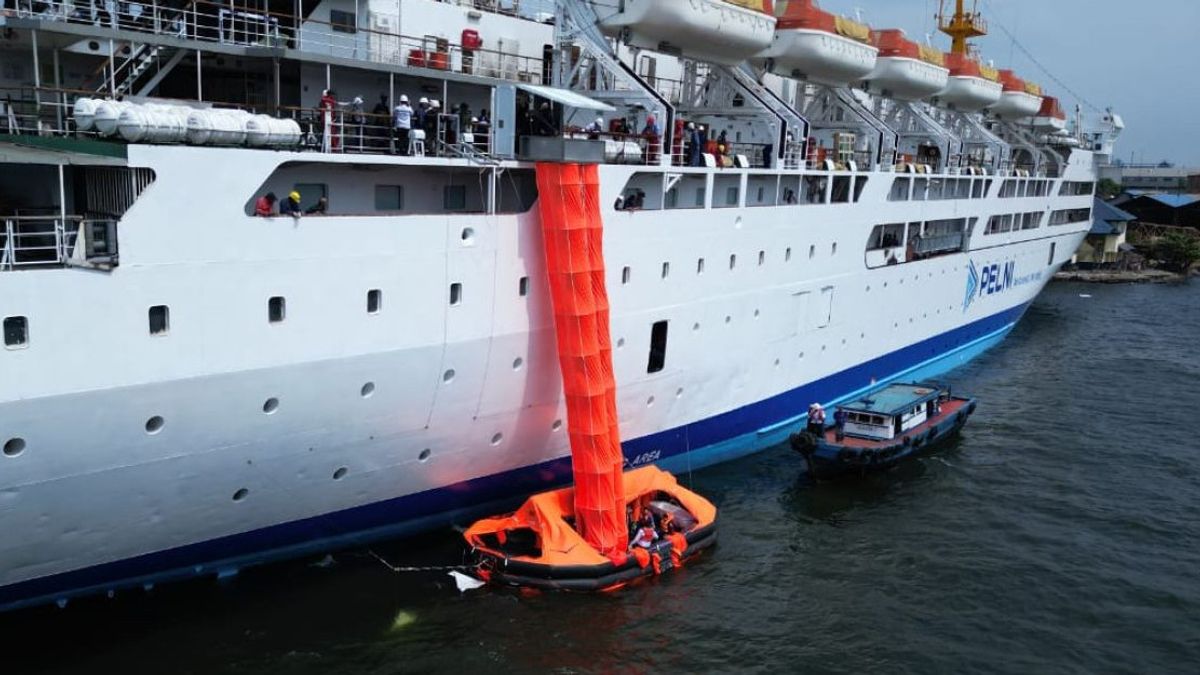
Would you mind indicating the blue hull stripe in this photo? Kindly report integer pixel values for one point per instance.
(722, 437)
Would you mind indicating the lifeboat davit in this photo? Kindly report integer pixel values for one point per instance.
(718, 31)
(1050, 117)
(1019, 100)
(972, 85)
(815, 45)
(905, 70)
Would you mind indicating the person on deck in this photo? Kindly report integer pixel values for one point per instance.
(265, 206)
(379, 128)
(816, 419)
(653, 135)
(594, 129)
(402, 117)
(291, 205)
(328, 107)
(839, 421)
(645, 537)
(318, 209)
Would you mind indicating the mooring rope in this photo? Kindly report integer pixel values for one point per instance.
(425, 568)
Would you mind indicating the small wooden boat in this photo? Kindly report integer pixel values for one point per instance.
(882, 428)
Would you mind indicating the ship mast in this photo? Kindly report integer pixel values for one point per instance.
(962, 26)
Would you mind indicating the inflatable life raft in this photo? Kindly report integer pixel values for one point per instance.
(537, 546)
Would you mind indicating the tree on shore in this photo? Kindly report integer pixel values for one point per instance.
(1107, 189)
(1178, 251)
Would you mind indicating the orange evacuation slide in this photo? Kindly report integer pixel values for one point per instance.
(583, 532)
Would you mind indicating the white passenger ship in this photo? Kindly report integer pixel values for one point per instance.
(186, 388)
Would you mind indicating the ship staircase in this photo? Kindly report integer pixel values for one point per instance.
(1041, 157)
(125, 70)
(980, 145)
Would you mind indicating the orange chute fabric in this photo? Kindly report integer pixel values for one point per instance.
(546, 514)
(573, 236)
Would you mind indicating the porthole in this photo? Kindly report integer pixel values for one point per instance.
(424, 456)
(14, 447)
(833, 249)
(456, 290)
(812, 251)
(650, 402)
(517, 363)
(448, 375)
(625, 274)
(776, 363)
(367, 390)
(700, 266)
(728, 318)
(271, 405)
(696, 326)
(762, 258)
(756, 313)
(154, 424)
(732, 260)
(468, 236)
(340, 473)
(240, 494)
(679, 393)
(523, 286)
(557, 425)
(666, 270)
(620, 342)
(497, 438)
(787, 255)
(801, 355)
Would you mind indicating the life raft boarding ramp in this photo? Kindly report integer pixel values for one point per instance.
(577, 538)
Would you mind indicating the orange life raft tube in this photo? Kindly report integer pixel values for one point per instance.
(537, 545)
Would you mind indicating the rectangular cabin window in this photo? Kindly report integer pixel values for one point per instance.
(454, 197)
(699, 203)
(672, 199)
(700, 266)
(860, 184)
(731, 196)
(276, 309)
(814, 189)
(1053, 246)
(920, 188)
(310, 194)
(977, 189)
(625, 274)
(389, 197)
(666, 270)
(342, 22)
(456, 290)
(841, 189)
(160, 319)
(16, 332)
(374, 301)
(900, 188)
(935, 190)
(523, 287)
(658, 347)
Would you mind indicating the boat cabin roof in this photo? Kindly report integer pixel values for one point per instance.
(893, 399)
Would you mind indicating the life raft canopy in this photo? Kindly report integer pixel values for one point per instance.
(537, 545)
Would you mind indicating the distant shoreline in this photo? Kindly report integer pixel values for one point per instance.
(1147, 276)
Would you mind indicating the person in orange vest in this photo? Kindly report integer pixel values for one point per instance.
(327, 106)
(679, 544)
(265, 206)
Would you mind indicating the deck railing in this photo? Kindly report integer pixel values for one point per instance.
(57, 241)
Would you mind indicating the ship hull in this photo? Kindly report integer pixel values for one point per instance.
(464, 413)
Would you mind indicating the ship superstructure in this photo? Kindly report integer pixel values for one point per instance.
(797, 208)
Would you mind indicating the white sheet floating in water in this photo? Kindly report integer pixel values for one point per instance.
(1084, 295)
(465, 582)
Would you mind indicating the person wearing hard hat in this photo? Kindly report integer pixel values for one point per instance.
(594, 129)
(291, 205)
(402, 116)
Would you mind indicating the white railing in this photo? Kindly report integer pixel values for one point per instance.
(41, 241)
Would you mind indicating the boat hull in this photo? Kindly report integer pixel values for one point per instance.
(970, 94)
(819, 56)
(1017, 105)
(907, 79)
(708, 30)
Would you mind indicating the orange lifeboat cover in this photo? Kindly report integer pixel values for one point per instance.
(1051, 108)
(546, 514)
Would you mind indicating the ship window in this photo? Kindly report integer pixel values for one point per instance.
(374, 301)
(160, 320)
(455, 293)
(342, 22)
(814, 189)
(732, 260)
(1008, 189)
(16, 332)
(977, 189)
(276, 309)
(699, 198)
(886, 236)
(761, 194)
(762, 258)
(899, 191)
(731, 196)
(658, 347)
(454, 197)
(310, 194)
(666, 270)
(841, 189)
(920, 187)
(860, 184)
(1053, 245)
(389, 197)
(523, 287)
(672, 199)
(935, 189)
(964, 189)
(787, 254)
(625, 274)
(700, 266)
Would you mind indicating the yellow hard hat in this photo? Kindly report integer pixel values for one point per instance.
(294, 195)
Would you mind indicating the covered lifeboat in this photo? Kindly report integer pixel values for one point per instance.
(905, 70)
(718, 31)
(972, 86)
(1050, 117)
(815, 45)
(1019, 100)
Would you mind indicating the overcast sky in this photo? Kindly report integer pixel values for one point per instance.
(1138, 57)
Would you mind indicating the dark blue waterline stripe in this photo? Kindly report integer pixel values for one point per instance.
(440, 506)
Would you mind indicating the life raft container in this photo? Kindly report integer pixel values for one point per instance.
(537, 545)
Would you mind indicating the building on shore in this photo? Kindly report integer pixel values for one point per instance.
(1158, 177)
(1106, 241)
(1155, 208)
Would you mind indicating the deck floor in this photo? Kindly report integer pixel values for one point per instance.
(949, 409)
